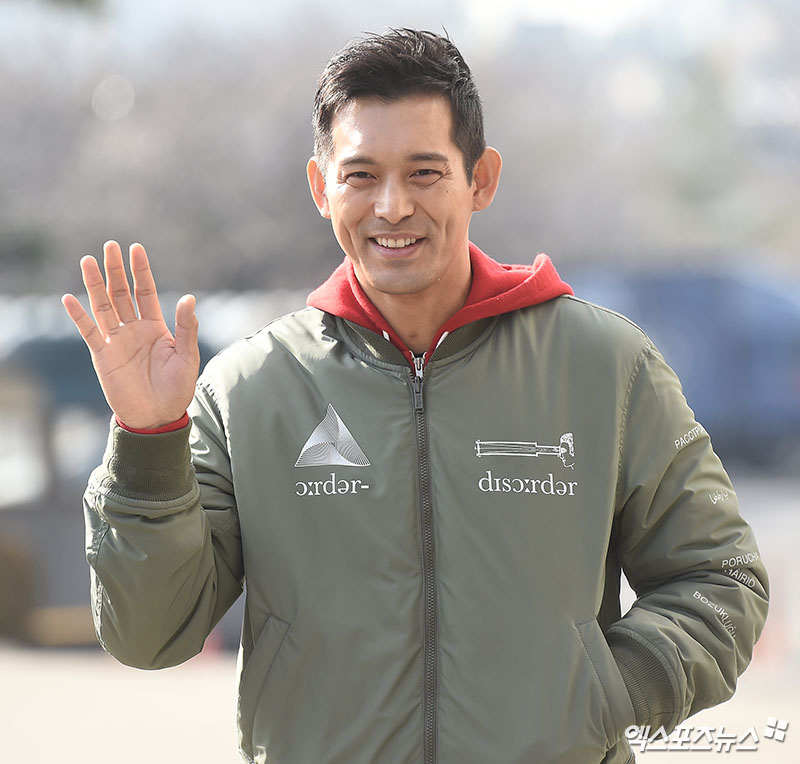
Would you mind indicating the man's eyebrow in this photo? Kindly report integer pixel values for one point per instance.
(357, 159)
(424, 156)
(429, 156)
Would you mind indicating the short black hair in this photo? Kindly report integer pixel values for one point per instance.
(390, 66)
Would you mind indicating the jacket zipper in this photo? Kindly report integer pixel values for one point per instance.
(428, 568)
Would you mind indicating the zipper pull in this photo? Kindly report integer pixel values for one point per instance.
(416, 382)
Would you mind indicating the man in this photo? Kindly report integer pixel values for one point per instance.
(429, 479)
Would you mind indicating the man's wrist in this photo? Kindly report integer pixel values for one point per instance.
(171, 427)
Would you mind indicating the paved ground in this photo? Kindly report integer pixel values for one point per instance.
(81, 707)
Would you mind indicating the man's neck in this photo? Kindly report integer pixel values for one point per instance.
(417, 317)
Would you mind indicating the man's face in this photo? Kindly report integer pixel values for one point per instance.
(397, 195)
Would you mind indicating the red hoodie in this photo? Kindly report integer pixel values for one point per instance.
(495, 289)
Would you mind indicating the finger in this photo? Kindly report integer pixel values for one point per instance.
(186, 326)
(86, 327)
(104, 314)
(144, 285)
(117, 286)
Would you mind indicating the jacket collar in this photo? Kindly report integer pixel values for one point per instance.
(496, 289)
(376, 349)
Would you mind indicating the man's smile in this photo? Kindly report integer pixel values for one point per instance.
(395, 246)
(394, 243)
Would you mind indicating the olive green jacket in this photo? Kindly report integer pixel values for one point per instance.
(432, 559)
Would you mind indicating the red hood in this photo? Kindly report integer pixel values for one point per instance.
(496, 289)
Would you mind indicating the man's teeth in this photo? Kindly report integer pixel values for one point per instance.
(395, 243)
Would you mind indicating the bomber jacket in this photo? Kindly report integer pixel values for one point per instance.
(432, 555)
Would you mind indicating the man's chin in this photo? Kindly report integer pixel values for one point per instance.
(392, 285)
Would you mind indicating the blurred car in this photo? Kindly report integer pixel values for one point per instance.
(54, 421)
(734, 340)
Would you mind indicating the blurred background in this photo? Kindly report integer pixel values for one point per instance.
(651, 147)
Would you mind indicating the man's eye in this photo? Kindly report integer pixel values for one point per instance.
(360, 175)
(427, 175)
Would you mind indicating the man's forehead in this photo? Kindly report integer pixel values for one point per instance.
(420, 125)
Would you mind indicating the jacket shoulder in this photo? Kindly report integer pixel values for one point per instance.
(587, 328)
(601, 321)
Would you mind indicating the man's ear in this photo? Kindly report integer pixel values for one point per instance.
(316, 182)
(485, 178)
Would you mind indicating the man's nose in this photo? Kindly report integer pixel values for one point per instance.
(394, 201)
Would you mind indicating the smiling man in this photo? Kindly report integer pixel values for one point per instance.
(429, 480)
(400, 198)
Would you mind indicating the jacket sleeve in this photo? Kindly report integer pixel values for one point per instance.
(162, 540)
(690, 557)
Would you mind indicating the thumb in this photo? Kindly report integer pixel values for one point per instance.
(186, 325)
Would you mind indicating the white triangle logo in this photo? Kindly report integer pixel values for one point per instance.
(331, 444)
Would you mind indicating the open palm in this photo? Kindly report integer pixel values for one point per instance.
(147, 374)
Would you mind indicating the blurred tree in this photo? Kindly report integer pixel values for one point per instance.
(618, 147)
(89, 5)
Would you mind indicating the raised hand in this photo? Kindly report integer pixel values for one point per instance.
(147, 375)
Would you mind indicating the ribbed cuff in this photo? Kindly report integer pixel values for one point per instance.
(649, 684)
(150, 467)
